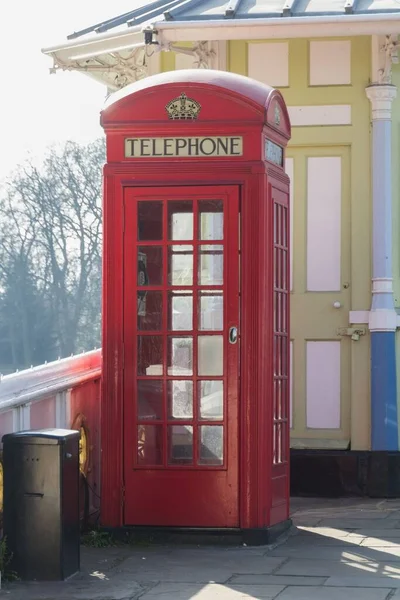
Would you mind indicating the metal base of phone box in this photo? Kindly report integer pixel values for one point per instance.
(200, 536)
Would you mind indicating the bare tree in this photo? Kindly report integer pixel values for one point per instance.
(50, 246)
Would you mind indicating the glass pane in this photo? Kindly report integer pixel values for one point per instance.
(149, 399)
(180, 399)
(180, 220)
(211, 220)
(150, 352)
(150, 443)
(211, 311)
(211, 399)
(150, 266)
(180, 311)
(284, 406)
(211, 265)
(180, 444)
(149, 306)
(211, 450)
(180, 356)
(210, 355)
(277, 398)
(150, 218)
(180, 265)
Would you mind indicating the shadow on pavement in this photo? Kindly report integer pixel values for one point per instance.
(337, 548)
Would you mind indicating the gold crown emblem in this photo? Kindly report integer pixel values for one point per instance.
(183, 108)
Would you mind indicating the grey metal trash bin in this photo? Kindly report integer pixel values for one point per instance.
(41, 503)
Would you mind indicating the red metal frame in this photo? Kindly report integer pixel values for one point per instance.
(229, 108)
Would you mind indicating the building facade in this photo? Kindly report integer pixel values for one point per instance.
(335, 63)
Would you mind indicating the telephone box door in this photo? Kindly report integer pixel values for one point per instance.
(181, 345)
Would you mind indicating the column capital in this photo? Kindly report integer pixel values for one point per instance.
(381, 97)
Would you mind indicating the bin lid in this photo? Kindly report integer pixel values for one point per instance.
(47, 437)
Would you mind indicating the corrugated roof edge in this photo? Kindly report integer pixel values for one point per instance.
(174, 10)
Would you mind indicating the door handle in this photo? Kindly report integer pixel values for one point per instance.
(233, 335)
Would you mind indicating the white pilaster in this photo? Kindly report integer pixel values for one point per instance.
(381, 97)
(382, 316)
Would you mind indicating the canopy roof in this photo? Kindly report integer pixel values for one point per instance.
(118, 51)
(200, 10)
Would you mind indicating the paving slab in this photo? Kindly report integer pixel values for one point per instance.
(329, 532)
(210, 591)
(364, 581)
(381, 542)
(345, 513)
(306, 521)
(277, 580)
(199, 567)
(339, 593)
(360, 524)
(229, 553)
(316, 540)
(344, 567)
(334, 553)
(118, 586)
(329, 505)
(381, 533)
(358, 553)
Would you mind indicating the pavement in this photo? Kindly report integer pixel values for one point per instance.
(342, 549)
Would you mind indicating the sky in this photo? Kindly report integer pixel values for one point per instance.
(38, 109)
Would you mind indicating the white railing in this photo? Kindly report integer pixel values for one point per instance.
(39, 397)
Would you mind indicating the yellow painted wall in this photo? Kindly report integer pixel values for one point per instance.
(167, 61)
(357, 138)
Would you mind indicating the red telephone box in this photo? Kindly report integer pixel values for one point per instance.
(195, 429)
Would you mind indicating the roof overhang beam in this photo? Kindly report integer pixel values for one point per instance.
(101, 44)
(278, 28)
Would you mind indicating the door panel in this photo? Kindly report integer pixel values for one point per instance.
(181, 298)
(320, 296)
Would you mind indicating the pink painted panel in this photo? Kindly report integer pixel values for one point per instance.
(43, 413)
(6, 423)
